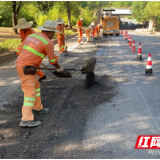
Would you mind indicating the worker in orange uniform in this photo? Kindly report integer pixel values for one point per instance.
(79, 28)
(93, 33)
(60, 27)
(97, 30)
(33, 49)
(89, 31)
(25, 30)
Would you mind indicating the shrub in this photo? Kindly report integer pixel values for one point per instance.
(29, 12)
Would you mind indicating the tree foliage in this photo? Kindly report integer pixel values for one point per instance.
(138, 11)
(122, 4)
(44, 6)
(5, 14)
(72, 11)
(153, 10)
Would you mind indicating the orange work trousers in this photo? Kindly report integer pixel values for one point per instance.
(61, 43)
(40, 73)
(79, 35)
(32, 97)
(96, 33)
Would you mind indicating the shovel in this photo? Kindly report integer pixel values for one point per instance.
(87, 68)
(63, 74)
(66, 43)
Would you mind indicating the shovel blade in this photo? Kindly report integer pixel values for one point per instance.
(63, 74)
(89, 66)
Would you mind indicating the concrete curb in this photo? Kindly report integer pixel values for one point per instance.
(7, 56)
(11, 55)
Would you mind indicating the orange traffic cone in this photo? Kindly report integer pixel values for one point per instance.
(125, 34)
(130, 41)
(133, 47)
(139, 54)
(148, 70)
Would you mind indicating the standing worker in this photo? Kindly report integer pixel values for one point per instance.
(60, 27)
(79, 28)
(33, 49)
(89, 31)
(25, 30)
(93, 33)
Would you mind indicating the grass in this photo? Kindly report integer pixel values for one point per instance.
(12, 42)
(9, 45)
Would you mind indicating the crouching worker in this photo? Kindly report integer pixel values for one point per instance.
(89, 31)
(33, 49)
(25, 30)
(97, 29)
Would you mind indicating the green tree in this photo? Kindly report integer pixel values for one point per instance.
(69, 8)
(138, 11)
(15, 10)
(152, 11)
(5, 14)
(122, 4)
(44, 6)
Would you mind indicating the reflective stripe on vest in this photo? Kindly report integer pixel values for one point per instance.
(38, 90)
(40, 38)
(33, 51)
(52, 60)
(60, 48)
(28, 104)
(38, 94)
(29, 99)
(61, 32)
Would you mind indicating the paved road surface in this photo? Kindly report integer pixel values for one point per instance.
(111, 128)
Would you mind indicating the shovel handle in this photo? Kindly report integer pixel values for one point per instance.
(65, 69)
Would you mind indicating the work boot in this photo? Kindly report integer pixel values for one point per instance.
(40, 79)
(64, 51)
(29, 123)
(42, 111)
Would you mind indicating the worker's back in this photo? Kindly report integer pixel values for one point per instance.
(34, 49)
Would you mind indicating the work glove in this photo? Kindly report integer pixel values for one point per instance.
(59, 70)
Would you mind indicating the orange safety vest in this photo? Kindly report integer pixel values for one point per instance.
(89, 29)
(60, 37)
(34, 48)
(79, 25)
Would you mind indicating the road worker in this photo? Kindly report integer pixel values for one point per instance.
(24, 31)
(93, 33)
(89, 31)
(33, 49)
(97, 30)
(60, 27)
(79, 29)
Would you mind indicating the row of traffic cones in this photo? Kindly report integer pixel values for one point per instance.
(148, 70)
